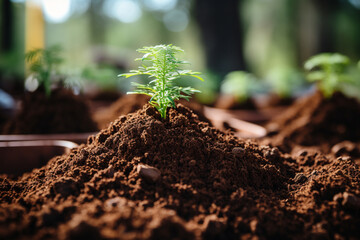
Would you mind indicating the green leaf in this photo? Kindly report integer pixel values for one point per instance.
(316, 76)
(326, 59)
(195, 76)
(172, 102)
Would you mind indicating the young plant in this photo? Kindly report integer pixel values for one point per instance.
(239, 84)
(42, 65)
(329, 70)
(162, 66)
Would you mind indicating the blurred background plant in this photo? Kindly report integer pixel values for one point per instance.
(269, 38)
(241, 85)
(333, 72)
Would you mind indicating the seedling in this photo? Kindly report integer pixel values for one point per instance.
(42, 65)
(162, 66)
(329, 70)
(239, 84)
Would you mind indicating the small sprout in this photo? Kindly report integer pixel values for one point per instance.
(43, 63)
(162, 66)
(239, 84)
(329, 70)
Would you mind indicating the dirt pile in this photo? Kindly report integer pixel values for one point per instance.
(212, 186)
(62, 112)
(131, 103)
(315, 120)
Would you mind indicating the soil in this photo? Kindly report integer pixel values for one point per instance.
(62, 112)
(212, 186)
(133, 102)
(317, 121)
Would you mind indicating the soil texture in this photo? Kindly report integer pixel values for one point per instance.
(317, 121)
(147, 178)
(61, 112)
(131, 103)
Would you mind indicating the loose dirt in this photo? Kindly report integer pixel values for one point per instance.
(317, 121)
(211, 186)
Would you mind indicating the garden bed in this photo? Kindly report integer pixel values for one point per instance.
(143, 177)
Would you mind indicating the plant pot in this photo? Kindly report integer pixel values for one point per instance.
(73, 137)
(22, 156)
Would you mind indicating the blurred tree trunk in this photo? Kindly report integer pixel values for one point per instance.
(97, 23)
(327, 10)
(219, 25)
(6, 25)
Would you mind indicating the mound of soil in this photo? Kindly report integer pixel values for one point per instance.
(133, 102)
(179, 178)
(62, 112)
(315, 120)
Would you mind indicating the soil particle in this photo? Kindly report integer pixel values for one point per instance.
(213, 186)
(300, 178)
(148, 173)
(238, 151)
(351, 201)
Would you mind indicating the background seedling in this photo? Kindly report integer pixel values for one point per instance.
(43, 64)
(329, 70)
(239, 84)
(162, 66)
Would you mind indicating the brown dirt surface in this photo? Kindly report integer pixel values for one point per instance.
(315, 120)
(131, 103)
(62, 112)
(212, 186)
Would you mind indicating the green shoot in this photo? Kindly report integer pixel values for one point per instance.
(42, 64)
(162, 66)
(329, 70)
(239, 84)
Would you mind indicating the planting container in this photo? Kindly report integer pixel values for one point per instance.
(18, 157)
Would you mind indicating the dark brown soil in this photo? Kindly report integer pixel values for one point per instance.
(212, 186)
(62, 112)
(317, 121)
(133, 102)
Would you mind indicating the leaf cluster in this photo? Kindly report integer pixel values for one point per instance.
(239, 84)
(43, 63)
(330, 71)
(162, 67)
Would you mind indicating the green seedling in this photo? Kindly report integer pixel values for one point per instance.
(239, 84)
(329, 70)
(43, 64)
(162, 66)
